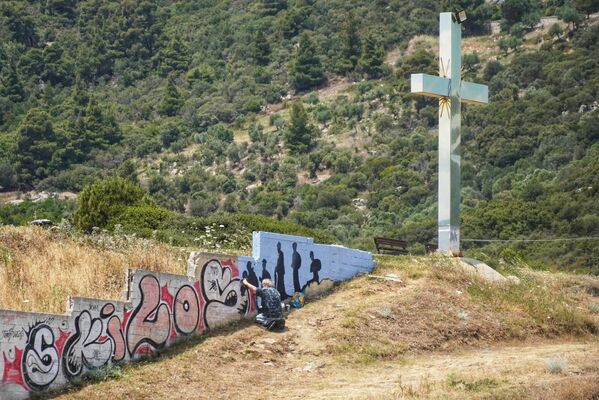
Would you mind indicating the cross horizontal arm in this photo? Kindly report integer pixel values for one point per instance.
(430, 85)
(474, 93)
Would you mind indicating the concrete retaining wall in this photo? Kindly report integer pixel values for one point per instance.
(40, 352)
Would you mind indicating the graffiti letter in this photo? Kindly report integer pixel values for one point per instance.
(40, 358)
(222, 293)
(186, 310)
(84, 348)
(116, 334)
(114, 331)
(151, 321)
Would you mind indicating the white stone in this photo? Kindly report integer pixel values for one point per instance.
(480, 269)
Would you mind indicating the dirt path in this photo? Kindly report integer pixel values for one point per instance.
(510, 369)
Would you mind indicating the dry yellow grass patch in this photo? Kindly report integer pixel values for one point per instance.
(39, 268)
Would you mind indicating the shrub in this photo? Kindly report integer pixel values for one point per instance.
(556, 365)
(102, 201)
(262, 223)
(140, 219)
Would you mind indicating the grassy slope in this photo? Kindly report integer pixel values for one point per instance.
(40, 268)
(438, 334)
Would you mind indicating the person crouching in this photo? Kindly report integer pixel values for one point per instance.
(271, 313)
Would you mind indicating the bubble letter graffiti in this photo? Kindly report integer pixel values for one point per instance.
(40, 358)
(222, 293)
(151, 321)
(186, 310)
(85, 348)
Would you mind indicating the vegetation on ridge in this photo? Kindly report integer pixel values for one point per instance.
(194, 101)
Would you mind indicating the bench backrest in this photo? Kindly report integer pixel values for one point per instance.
(390, 246)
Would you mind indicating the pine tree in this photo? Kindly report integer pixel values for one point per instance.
(36, 143)
(101, 128)
(10, 85)
(58, 68)
(77, 145)
(171, 101)
(569, 15)
(301, 134)
(261, 49)
(17, 21)
(87, 126)
(350, 46)
(294, 20)
(306, 69)
(373, 57)
(525, 11)
(8, 175)
(555, 30)
(173, 57)
(470, 62)
(64, 8)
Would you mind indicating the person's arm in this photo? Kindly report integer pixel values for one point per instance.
(248, 285)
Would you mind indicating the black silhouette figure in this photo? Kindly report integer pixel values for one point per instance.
(296, 263)
(242, 288)
(265, 273)
(252, 277)
(280, 273)
(315, 266)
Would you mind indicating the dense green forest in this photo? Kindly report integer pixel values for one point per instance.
(220, 108)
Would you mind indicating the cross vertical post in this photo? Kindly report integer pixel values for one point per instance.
(451, 91)
(450, 66)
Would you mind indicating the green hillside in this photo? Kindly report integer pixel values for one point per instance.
(300, 111)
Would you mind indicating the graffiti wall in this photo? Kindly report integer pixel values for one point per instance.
(41, 352)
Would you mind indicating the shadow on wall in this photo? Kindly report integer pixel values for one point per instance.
(41, 352)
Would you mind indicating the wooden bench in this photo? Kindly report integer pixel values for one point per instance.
(430, 247)
(391, 246)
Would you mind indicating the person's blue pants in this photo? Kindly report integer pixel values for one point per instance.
(270, 323)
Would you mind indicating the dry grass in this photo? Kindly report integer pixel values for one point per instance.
(39, 268)
(441, 308)
(336, 87)
(567, 388)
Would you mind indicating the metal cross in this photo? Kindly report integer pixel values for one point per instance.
(451, 91)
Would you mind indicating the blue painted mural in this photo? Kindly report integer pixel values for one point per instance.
(298, 264)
